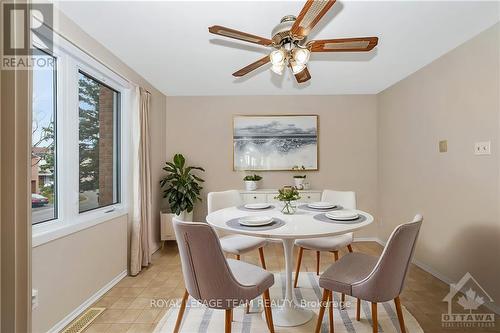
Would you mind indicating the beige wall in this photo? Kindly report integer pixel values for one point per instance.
(455, 98)
(201, 129)
(69, 270)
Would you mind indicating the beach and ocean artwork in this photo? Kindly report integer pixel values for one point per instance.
(275, 142)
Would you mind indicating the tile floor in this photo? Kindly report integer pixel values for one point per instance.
(129, 302)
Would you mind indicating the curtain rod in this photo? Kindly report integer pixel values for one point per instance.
(91, 55)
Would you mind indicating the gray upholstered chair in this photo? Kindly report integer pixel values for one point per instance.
(347, 200)
(235, 244)
(373, 279)
(214, 281)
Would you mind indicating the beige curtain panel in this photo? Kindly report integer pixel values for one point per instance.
(141, 204)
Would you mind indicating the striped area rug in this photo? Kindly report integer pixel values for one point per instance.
(203, 320)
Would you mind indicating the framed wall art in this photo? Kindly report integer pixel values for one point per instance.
(268, 143)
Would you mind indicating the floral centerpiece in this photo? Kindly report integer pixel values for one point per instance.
(287, 194)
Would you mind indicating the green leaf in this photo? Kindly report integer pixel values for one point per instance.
(179, 161)
(171, 165)
(198, 178)
(195, 168)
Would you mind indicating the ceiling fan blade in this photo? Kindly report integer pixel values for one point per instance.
(303, 76)
(253, 66)
(309, 16)
(231, 33)
(361, 44)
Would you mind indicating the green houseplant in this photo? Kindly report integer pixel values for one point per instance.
(251, 182)
(182, 187)
(287, 194)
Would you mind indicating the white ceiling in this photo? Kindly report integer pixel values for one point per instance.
(168, 43)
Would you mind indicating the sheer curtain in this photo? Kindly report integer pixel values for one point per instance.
(141, 182)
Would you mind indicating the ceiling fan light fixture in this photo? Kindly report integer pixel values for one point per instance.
(296, 67)
(278, 57)
(301, 55)
(278, 68)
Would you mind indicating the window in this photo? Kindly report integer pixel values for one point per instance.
(43, 148)
(77, 142)
(98, 143)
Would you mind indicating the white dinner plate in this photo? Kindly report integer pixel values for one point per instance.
(342, 215)
(257, 205)
(255, 221)
(321, 205)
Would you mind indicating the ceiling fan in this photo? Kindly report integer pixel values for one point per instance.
(289, 39)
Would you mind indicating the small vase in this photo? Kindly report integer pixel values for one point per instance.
(250, 185)
(299, 183)
(288, 208)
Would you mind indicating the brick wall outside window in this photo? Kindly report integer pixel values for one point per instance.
(106, 158)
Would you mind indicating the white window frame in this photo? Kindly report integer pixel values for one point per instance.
(71, 60)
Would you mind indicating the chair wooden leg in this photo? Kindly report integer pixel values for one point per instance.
(322, 305)
(399, 311)
(374, 318)
(261, 255)
(181, 311)
(229, 316)
(297, 270)
(349, 247)
(238, 257)
(247, 306)
(358, 309)
(336, 256)
(266, 311)
(330, 312)
(317, 262)
(267, 308)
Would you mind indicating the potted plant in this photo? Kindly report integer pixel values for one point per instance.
(251, 182)
(182, 187)
(287, 194)
(299, 179)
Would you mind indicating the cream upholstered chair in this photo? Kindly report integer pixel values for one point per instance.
(235, 244)
(333, 244)
(214, 281)
(370, 278)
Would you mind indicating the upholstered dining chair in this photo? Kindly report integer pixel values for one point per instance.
(373, 279)
(346, 199)
(235, 244)
(214, 281)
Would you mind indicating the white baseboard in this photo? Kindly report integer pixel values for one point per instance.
(426, 268)
(76, 312)
(155, 247)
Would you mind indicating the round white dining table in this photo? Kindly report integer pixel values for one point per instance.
(302, 224)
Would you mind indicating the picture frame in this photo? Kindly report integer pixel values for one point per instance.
(275, 142)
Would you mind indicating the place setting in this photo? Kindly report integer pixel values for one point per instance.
(344, 216)
(320, 206)
(252, 207)
(253, 222)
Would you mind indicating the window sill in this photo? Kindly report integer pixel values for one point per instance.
(50, 231)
